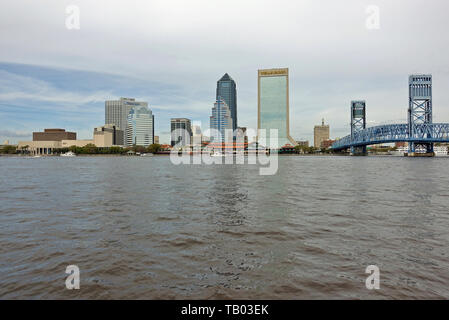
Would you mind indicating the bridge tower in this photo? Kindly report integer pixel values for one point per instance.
(358, 123)
(420, 109)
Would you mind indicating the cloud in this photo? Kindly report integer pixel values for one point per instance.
(171, 53)
(15, 87)
(14, 134)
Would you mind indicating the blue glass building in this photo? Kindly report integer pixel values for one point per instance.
(221, 121)
(226, 90)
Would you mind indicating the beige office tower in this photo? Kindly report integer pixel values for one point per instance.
(320, 134)
(117, 111)
(273, 105)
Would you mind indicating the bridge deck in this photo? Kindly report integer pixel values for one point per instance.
(423, 133)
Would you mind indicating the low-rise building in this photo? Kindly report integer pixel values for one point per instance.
(108, 135)
(326, 144)
(39, 147)
(303, 143)
(54, 135)
(104, 137)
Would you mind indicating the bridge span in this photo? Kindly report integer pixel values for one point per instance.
(420, 132)
(423, 134)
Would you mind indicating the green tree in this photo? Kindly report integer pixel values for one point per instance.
(154, 148)
(90, 148)
(8, 149)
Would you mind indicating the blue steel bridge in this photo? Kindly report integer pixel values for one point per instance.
(420, 132)
(425, 133)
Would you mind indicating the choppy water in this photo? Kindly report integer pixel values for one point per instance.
(144, 228)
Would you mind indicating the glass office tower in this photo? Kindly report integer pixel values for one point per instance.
(221, 120)
(140, 131)
(226, 90)
(273, 105)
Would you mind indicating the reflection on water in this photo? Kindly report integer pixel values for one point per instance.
(144, 228)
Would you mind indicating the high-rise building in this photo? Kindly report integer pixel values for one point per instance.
(226, 90)
(221, 121)
(117, 111)
(320, 134)
(273, 105)
(181, 132)
(140, 128)
(156, 139)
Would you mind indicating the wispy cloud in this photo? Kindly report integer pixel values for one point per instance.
(15, 87)
(14, 134)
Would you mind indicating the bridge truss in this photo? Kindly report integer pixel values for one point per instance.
(423, 134)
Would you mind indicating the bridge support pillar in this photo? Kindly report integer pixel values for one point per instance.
(358, 123)
(420, 154)
(419, 113)
(358, 151)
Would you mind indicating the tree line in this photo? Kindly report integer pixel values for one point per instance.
(88, 149)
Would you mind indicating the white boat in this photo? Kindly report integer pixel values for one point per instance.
(217, 154)
(37, 156)
(399, 152)
(440, 151)
(68, 154)
(146, 155)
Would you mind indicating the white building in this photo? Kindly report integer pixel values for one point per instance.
(117, 111)
(140, 128)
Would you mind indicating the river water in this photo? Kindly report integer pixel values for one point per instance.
(143, 228)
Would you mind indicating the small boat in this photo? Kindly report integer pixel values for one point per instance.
(68, 154)
(217, 154)
(399, 152)
(37, 156)
(146, 155)
(440, 151)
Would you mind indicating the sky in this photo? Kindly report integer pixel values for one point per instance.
(171, 53)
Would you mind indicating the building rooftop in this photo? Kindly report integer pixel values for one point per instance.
(226, 77)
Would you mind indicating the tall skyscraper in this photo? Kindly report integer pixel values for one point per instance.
(140, 128)
(221, 120)
(273, 105)
(226, 90)
(181, 138)
(117, 111)
(320, 134)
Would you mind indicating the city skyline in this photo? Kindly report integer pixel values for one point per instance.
(43, 87)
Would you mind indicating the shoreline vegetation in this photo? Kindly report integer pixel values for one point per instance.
(157, 149)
